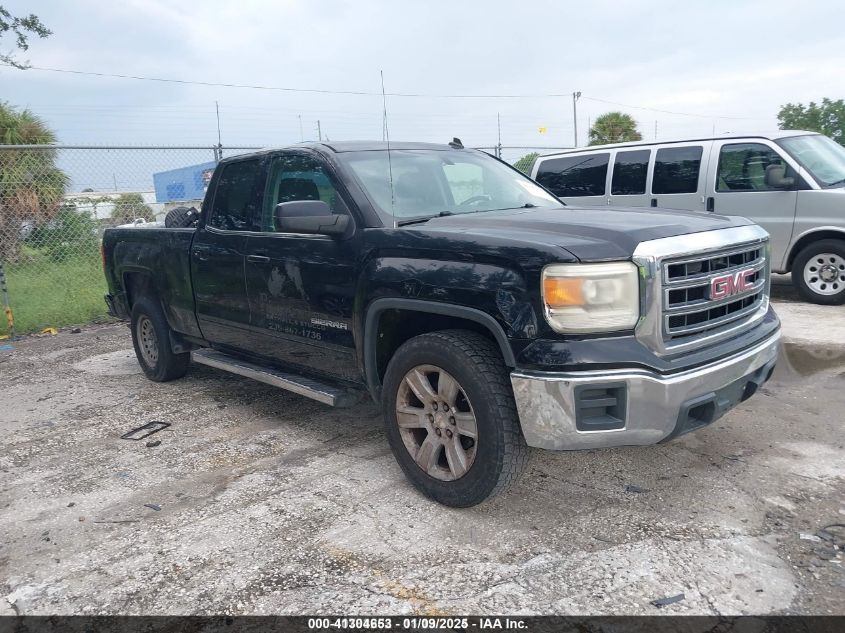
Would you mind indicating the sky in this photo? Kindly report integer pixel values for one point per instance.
(716, 66)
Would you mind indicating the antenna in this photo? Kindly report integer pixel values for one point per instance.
(218, 151)
(387, 138)
(499, 127)
(217, 109)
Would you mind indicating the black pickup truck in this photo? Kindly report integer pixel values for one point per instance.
(480, 312)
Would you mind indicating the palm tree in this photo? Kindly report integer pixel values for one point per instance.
(31, 186)
(614, 127)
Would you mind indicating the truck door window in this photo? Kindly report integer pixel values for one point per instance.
(234, 203)
(630, 170)
(297, 177)
(676, 170)
(575, 176)
(742, 167)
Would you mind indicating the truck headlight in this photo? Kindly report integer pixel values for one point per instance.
(582, 298)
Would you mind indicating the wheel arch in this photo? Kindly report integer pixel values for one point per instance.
(419, 317)
(137, 283)
(813, 235)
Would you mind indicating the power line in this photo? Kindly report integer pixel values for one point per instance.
(703, 116)
(376, 94)
(286, 89)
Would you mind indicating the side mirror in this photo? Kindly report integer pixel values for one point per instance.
(309, 216)
(776, 177)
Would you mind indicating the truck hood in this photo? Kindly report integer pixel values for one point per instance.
(588, 233)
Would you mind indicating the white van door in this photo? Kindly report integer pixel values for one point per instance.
(629, 178)
(736, 185)
(679, 175)
(579, 179)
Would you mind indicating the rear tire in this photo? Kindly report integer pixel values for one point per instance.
(151, 339)
(818, 272)
(462, 453)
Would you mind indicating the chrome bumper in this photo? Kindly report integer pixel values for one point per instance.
(555, 409)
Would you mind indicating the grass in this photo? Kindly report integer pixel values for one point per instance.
(44, 293)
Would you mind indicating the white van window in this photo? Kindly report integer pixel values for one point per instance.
(676, 170)
(742, 167)
(820, 155)
(575, 176)
(630, 170)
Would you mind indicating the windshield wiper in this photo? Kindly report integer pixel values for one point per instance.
(423, 218)
(836, 183)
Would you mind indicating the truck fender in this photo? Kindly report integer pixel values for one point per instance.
(377, 307)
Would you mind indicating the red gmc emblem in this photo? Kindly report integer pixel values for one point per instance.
(728, 285)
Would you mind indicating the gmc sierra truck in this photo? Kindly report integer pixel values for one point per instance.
(484, 315)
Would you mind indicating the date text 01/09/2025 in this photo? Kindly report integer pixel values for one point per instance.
(414, 623)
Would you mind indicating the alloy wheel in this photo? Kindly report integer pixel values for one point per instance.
(437, 422)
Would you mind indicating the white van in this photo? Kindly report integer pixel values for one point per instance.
(791, 183)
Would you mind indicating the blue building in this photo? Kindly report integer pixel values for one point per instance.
(184, 183)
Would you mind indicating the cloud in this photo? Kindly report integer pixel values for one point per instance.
(722, 58)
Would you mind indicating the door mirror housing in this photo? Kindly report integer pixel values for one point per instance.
(776, 177)
(310, 217)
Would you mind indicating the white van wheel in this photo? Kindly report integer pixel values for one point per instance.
(819, 272)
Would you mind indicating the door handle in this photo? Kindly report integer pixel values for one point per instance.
(711, 203)
(258, 259)
(201, 254)
(654, 202)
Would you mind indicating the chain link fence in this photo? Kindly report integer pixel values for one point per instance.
(521, 156)
(55, 202)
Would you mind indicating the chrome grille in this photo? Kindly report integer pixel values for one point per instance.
(690, 311)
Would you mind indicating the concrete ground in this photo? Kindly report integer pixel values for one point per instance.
(259, 501)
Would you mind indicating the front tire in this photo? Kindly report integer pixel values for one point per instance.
(818, 272)
(451, 419)
(151, 339)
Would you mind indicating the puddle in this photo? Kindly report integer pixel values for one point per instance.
(799, 362)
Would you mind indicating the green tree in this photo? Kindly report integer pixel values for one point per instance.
(128, 207)
(614, 127)
(22, 27)
(827, 118)
(72, 233)
(31, 185)
(525, 163)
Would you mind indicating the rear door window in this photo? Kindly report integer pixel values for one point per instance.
(236, 197)
(630, 170)
(575, 176)
(676, 170)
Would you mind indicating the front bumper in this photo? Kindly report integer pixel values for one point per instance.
(623, 407)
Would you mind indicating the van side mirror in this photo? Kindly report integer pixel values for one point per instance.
(776, 177)
(310, 217)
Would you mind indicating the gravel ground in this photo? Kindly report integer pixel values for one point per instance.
(258, 501)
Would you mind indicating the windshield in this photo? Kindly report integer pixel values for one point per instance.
(435, 182)
(823, 157)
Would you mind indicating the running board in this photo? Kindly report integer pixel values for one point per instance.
(308, 387)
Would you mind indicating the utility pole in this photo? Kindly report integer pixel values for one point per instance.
(301, 133)
(655, 129)
(319, 131)
(499, 127)
(575, 97)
